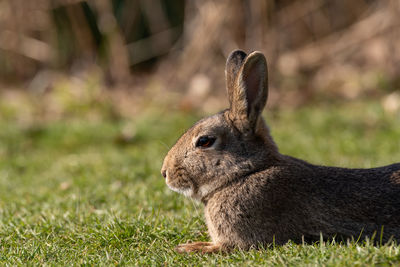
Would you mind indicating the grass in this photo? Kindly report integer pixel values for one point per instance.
(77, 192)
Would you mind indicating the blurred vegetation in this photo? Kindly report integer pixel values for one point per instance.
(318, 50)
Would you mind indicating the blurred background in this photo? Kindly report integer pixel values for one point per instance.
(66, 57)
(93, 93)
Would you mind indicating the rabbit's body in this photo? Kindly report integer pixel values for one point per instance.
(255, 195)
(294, 200)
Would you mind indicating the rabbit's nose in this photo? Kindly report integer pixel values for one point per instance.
(164, 173)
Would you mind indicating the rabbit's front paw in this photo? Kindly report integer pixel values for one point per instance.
(203, 247)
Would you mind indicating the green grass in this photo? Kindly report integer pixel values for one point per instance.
(78, 192)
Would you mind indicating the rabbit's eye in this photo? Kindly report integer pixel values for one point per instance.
(205, 141)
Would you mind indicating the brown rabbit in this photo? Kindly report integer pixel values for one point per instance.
(254, 195)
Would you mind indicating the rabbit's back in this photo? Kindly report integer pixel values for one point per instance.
(360, 199)
(295, 200)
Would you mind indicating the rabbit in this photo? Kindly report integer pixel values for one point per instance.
(253, 195)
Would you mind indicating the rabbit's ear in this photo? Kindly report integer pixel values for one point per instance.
(250, 92)
(233, 64)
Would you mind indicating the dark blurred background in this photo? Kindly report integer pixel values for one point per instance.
(60, 56)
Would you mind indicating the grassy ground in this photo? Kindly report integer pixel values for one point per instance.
(78, 192)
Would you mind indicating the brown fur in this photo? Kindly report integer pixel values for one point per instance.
(255, 195)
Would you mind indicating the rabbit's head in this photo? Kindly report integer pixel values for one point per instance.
(231, 144)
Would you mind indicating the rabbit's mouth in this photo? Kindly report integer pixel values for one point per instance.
(188, 192)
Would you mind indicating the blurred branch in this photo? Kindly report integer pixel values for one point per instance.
(298, 10)
(340, 44)
(80, 27)
(117, 58)
(156, 16)
(26, 46)
(202, 32)
(153, 46)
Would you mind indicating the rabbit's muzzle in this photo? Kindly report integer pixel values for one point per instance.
(176, 177)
